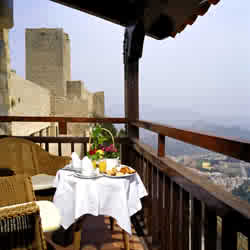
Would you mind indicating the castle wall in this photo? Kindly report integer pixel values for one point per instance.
(90, 98)
(66, 58)
(4, 79)
(72, 108)
(45, 59)
(27, 99)
(48, 90)
(75, 89)
(98, 104)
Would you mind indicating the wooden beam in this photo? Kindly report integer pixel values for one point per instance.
(45, 139)
(132, 51)
(132, 96)
(61, 119)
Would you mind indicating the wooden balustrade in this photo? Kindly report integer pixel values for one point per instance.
(64, 140)
(238, 149)
(182, 209)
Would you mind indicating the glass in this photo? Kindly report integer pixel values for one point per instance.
(102, 166)
(94, 164)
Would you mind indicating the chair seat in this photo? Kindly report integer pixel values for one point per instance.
(42, 181)
(49, 213)
(50, 216)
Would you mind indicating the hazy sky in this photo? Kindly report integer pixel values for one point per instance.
(205, 69)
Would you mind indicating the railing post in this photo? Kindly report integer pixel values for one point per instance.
(161, 145)
(62, 127)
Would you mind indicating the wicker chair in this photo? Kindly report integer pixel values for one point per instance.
(28, 158)
(15, 189)
(20, 228)
(20, 222)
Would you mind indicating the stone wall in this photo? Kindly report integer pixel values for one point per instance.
(27, 99)
(72, 108)
(75, 89)
(4, 79)
(51, 91)
(66, 58)
(98, 103)
(45, 59)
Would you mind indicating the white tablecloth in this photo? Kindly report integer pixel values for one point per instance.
(116, 197)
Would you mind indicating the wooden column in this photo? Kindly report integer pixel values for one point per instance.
(132, 96)
(132, 50)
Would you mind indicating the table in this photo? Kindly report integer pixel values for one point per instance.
(115, 197)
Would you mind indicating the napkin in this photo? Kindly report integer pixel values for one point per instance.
(87, 167)
(76, 162)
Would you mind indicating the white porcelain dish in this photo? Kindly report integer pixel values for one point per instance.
(82, 176)
(121, 176)
(71, 168)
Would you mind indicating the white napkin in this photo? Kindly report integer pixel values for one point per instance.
(87, 166)
(76, 162)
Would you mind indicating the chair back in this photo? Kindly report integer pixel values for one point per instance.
(17, 154)
(15, 190)
(26, 157)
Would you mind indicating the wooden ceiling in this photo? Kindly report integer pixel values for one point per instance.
(161, 18)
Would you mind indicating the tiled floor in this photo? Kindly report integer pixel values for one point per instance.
(98, 236)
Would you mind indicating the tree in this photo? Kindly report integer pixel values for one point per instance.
(243, 191)
(122, 133)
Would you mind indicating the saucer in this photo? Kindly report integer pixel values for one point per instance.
(84, 176)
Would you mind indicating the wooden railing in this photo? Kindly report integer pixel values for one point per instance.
(62, 121)
(238, 149)
(182, 208)
(72, 141)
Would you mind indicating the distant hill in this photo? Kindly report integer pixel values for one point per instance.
(233, 131)
(177, 148)
(236, 128)
(173, 147)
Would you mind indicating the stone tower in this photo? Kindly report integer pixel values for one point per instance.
(48, 59)
(4, 79)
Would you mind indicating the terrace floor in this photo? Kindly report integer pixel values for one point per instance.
(97, 235)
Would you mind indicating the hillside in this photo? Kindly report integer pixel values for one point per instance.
(237, 128)
(177, 148)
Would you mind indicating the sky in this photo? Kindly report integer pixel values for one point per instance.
(204, 70)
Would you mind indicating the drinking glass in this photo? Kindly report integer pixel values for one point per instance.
(102, 166)
(94, 164)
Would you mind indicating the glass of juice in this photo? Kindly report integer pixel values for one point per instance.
(94, 164)
(102, 166)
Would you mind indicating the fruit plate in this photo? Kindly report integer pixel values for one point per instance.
(82, 176)
(121, 176)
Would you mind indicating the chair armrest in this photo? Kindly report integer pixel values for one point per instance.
(19, 210)
(56, 163)
(20, 227)
(6, 172)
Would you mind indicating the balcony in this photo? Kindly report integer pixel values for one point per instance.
(183, 210)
